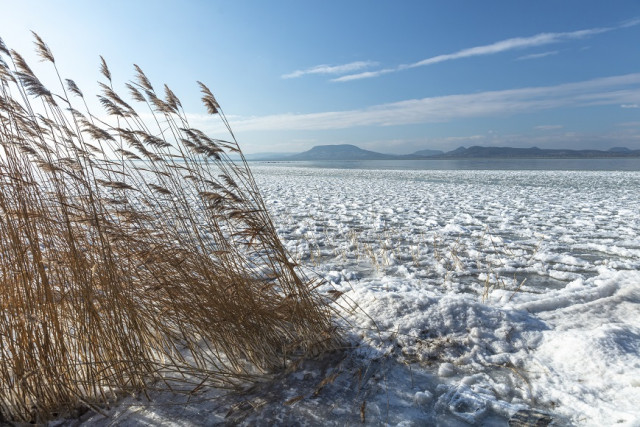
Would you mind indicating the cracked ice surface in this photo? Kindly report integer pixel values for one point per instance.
(479, 294)
(509, 287)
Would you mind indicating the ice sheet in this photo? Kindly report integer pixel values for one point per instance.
(479, 294)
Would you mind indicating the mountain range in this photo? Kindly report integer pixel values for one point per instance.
(352, 152)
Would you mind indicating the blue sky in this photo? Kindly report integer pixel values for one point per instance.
(391, 76)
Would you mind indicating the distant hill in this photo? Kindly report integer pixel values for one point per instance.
(351, 152)
(343, 152)
(534, 152)
(340, 152)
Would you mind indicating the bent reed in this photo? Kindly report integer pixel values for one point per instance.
(133, 249)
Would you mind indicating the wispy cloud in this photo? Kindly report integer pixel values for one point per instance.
(538, 55)
(516, 43)
(364, 75)
(629, 124)
(630, 23)
(616, 90)
(549, 127)
(630, 106)
(510, 44)
(331, 69)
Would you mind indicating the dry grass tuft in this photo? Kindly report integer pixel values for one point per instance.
(131, 253)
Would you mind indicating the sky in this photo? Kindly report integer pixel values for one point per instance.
(390, 76)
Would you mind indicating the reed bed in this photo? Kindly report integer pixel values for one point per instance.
(133, 249)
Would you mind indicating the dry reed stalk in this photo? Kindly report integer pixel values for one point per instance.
(129, 254)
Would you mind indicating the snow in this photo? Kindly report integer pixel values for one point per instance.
(467, 296)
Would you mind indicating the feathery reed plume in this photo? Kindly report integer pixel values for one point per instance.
(104, 69)
(3, 48)
(208, 99)
(73, 88)
(143, 81)
(133, 252)
(42, 48)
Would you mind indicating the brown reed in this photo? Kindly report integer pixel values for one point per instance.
(133, 250)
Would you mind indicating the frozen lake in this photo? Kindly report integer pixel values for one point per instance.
(550, 227)
(527, 280)
(468, 297)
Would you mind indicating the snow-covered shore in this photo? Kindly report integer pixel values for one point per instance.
(471, 295)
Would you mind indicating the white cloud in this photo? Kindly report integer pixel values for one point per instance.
(537, 40)
(364, 75)
(538, 55)
(510, 44)
(630, 23)
(614, 90)
(549, 127)
(331, 69)
(630, 106)
(628, 124)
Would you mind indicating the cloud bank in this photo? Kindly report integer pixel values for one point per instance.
(615, 90)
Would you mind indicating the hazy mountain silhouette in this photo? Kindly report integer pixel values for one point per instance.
(534, 152)
(340, 152)
(352, 152)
